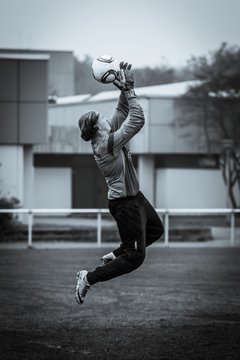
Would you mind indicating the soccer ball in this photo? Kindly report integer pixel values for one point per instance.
(104, 69)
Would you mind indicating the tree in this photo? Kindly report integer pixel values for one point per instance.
(148, 76)
(145, 76)
(218, 97)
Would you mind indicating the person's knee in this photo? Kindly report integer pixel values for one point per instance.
(136, 258)
(155, 234)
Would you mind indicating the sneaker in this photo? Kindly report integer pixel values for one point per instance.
(82, 287)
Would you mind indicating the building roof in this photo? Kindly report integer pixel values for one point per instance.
(73, 99)
(166, 90)
(32, 51)
(156, 91)
(22, 56)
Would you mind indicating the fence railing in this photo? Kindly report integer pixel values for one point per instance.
(166, 213)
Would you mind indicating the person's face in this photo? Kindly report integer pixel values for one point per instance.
(103, 123)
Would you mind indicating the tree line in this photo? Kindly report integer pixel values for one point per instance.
(145, 76)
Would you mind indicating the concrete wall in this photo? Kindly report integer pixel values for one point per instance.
(11, 171)
(190, 188)
(53, 188)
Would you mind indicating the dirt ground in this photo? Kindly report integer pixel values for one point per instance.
(183, 303)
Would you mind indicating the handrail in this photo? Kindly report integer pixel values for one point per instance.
(103, 210)
(166, 212)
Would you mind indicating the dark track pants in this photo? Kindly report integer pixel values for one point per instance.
(139, 226)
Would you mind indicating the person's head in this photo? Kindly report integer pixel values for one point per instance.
(90, 123)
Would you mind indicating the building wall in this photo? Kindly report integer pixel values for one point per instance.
(53, 188)
(11, 171)
(164, 130)
(61, 78)
(146, 175)
(170, 131)
(87, 188)
(63, 130)
(186, 183)
(23, 100)
(174, 188)
(190, 188)
(23, 121)
(61, 73)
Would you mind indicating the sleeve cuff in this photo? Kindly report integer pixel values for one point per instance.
(130, 94)
(119, 251)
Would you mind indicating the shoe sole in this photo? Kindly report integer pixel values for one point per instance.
(78, 299)
(77, 296)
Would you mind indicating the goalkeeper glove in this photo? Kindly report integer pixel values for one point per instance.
(125, 79)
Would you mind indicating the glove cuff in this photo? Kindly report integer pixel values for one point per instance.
(130, 94)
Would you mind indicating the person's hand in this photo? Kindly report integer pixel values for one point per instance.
(107, 258)
(125, 79)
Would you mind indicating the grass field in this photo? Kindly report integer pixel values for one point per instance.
(183, 303)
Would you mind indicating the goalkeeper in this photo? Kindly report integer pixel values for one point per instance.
(138, 223)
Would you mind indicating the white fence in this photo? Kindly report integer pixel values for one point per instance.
(99, 212)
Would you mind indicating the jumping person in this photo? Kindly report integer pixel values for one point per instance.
(138, 223)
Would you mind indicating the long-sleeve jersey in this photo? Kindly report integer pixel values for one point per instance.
(113, 156)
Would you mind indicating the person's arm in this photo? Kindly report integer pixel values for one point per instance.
(121, 112)
(130, 127)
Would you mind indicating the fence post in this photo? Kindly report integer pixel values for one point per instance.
(166, 230)
(99, 228)
(30, 222)
(232, 229)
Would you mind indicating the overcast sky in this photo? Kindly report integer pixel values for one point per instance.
(143, 32)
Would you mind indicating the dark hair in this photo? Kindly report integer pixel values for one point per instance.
(87, 124)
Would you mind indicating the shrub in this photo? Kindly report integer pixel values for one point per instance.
(7, 203)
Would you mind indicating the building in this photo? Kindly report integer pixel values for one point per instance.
(174, 167)
(61, 81)
(23, 121)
